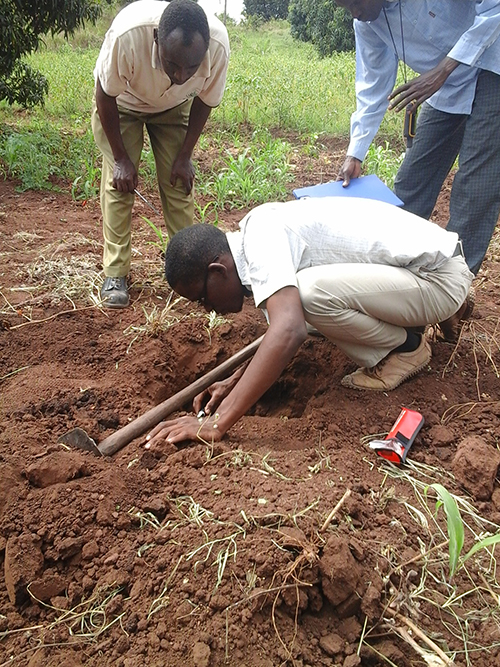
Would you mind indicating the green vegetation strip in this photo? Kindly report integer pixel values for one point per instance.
(274, 82)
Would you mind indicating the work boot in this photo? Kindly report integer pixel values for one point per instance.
(450, 328)
(391, 371)
(114, 292)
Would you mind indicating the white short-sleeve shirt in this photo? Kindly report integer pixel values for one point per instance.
(277, 240)
(129, 67)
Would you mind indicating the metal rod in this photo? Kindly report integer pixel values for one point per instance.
(146, 202)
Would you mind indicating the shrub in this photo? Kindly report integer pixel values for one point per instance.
(22, 27)
(326, 25)
(267, 9)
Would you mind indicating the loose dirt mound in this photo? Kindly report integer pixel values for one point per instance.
(226, 554)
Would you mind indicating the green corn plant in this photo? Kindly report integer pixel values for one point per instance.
(203, 213)
(454, 524)
(455, 528)
(384, 162)
(161, 238)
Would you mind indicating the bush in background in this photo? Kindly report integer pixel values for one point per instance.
(267, 9)
(324, 24)
(22, 27)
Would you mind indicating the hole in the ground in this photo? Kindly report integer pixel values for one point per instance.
(310, 374)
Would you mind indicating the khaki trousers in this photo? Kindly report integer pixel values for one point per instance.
(365, 309)
(167, 131)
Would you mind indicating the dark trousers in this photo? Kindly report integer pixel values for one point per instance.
(475, 195)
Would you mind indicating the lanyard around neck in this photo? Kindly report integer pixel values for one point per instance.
(409, 123)
(401, 58)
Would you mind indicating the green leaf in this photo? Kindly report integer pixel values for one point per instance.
(486, 542)
(162, 239)
(454, 522)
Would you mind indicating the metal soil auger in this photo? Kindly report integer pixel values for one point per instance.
(78, 438)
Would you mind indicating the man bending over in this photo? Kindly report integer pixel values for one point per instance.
(162, 68)
(364, 273)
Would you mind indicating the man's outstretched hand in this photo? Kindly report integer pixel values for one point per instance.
(419, 89)
(182, 429)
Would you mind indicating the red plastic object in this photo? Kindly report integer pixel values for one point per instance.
(400, 438)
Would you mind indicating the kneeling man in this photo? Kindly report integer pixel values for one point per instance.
(364, 273)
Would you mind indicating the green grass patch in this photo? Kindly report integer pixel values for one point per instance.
(274, 83)
(69, 71)
(247, 173)
(42, 156)
(383, 161)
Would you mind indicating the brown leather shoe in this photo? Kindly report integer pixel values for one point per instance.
(450, 328)
(391, 371)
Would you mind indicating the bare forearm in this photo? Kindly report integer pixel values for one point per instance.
(197, 118)
(110, 121)
(286, 333)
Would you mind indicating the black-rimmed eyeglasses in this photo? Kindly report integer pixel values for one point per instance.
(203, 298)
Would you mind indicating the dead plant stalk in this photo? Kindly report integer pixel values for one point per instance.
(334, 511)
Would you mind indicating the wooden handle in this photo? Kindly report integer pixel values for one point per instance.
(151, 418)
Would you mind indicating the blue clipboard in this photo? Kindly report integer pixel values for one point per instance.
(366, 187)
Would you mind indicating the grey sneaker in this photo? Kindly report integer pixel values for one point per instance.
(114, 292)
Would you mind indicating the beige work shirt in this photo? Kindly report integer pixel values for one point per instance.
(129, 67)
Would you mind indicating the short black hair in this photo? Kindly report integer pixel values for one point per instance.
(186, 15)
(191, 251)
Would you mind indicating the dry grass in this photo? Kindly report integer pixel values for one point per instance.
(426, 596)
(422, 605)
(157, 320)
(59, 273)
(85, 623)
(482, 338)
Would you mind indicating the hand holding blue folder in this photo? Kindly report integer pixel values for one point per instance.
(366, 187)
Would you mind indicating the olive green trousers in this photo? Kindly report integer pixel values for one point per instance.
(166, 131)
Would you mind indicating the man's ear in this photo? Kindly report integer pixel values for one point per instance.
(155, 35)
(218, 267)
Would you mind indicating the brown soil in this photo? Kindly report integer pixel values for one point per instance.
(212, 555)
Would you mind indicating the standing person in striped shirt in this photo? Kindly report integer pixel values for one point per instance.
(455, 48)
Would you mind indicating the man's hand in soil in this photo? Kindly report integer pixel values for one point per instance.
(210, 399)
(286, 332)
(184, 428)
(350, 169)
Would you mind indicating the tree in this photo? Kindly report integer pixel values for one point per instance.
(23, 23)
(323, 23)
(267, 9)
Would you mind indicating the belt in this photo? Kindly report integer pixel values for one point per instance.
(459, 250)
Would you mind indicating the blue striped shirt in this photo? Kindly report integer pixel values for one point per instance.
(465, 30)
